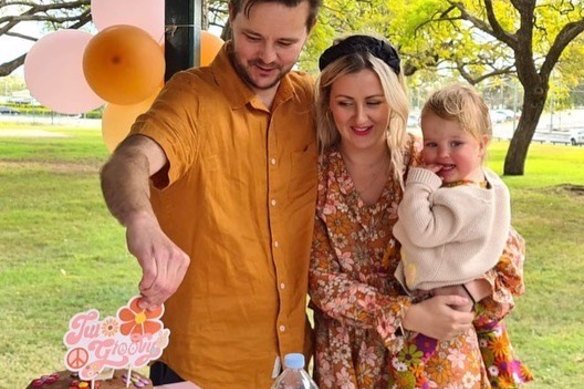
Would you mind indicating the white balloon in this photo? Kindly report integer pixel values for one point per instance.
(53, 72)
(145, 14)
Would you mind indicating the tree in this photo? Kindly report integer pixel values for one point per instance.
(478, 40)
(218, 15)
(54, 14)
(536, 36)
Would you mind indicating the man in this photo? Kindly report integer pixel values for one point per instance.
(216, 184)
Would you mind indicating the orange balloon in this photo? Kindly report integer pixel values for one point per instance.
(123, 64)
(210, 46)
(117, 120)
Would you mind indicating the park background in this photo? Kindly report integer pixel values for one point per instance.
(62, 253)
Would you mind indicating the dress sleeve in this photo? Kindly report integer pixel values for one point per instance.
(506, 280)
(350, 301)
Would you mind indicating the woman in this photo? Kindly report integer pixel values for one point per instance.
(361, 315)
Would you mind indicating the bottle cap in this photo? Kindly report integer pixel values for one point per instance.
(294, 360)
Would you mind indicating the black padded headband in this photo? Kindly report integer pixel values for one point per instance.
(361, 44)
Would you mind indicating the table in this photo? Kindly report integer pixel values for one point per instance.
(179, 385)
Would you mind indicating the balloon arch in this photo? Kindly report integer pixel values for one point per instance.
(122, 66)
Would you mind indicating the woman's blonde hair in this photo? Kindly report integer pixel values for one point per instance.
(463, 104)
(394, 90)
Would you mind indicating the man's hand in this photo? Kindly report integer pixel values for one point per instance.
(163, 263)
(436, 318)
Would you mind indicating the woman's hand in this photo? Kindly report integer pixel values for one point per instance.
(479, 289)
(437, 319)
(454, 290)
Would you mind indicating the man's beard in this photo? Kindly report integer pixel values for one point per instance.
(245, 76)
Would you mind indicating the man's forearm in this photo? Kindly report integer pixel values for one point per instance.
(124, 182)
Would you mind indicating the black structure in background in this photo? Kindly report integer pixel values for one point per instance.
(182, 35)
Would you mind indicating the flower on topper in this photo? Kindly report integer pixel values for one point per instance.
(90, 371)
(109, 327)
(138, 321)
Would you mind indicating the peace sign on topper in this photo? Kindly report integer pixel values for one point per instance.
(131, 339)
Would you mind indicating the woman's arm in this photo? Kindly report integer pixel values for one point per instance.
(347, 300)
(360, 305)
(505, 281)
(493, 294)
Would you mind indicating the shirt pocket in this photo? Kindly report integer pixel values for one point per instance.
(303, 171)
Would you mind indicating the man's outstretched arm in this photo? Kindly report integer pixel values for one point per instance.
(125, 186)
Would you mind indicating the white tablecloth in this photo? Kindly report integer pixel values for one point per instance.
(180, 385)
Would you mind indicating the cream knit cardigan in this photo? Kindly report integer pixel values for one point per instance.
(450, 235)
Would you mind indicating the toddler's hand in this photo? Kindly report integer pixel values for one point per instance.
(434, 168)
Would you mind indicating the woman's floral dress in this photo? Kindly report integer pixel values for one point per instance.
(358, 305)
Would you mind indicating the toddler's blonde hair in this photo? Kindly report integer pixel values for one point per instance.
(463, 104)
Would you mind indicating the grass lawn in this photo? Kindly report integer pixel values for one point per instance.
(61, 253)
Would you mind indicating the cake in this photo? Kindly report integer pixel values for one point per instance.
(67, 380)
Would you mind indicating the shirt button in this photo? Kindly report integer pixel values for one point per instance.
(273, 202)
(273, 161)
(282, 285)
(276, 244)
(282, 328)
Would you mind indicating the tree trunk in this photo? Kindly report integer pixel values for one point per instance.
(205, 15)
(533, 103)
(226, 32)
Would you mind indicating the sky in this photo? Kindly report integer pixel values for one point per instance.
(11, 48)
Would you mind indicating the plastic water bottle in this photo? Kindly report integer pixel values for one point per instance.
(294, 376)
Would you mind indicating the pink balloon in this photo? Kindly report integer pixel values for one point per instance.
(53, 72)
(145, 14)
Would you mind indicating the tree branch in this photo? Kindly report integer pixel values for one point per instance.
(442, 16)
(498, 34)
(498, 31)
(41, 13)
(475, 80)
(8, 67)
(21, 36)
(568, 33)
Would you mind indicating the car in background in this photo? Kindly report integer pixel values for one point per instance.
(8, 111)
(497, 117)
(413, 120)
(502, 115)
(577, 136)
(509, 114)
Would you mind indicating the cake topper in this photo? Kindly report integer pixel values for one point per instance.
(131, 339)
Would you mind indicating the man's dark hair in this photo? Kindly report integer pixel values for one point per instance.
(245, 6)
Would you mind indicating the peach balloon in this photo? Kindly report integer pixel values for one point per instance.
(210, 46)
(123, 64)
(53, 71)
(145, 14)
(117, 120)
